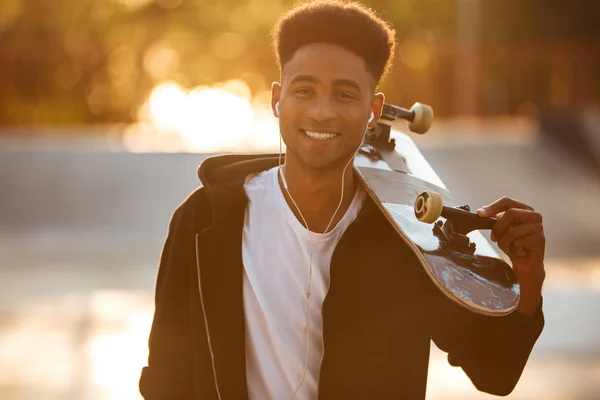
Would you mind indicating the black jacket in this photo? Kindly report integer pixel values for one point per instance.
(379, 315)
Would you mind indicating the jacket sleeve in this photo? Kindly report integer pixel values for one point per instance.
(170, 365)
(492, 351)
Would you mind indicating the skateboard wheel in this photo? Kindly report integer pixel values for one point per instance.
(428, 207)
(423, 118)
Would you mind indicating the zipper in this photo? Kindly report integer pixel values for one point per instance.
(212, 355)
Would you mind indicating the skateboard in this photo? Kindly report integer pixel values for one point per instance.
(443, 234)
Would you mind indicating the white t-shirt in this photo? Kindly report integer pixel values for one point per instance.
(275, 252)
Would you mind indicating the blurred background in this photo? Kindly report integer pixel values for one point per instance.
(108, 106)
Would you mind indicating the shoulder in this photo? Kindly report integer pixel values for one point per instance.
(192, 212)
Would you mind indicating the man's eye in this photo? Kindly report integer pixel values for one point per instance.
(345, 95)
(303, 91)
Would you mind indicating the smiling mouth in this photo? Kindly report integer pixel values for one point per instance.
(320, 135)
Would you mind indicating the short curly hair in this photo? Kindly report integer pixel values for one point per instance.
(347, 24)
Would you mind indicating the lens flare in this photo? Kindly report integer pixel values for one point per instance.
(222, 117)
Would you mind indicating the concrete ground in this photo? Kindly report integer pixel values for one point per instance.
(81, 230)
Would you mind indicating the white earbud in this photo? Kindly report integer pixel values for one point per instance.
(277, 109)
(371, 117)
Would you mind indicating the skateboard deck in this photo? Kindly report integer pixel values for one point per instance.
(394, 176)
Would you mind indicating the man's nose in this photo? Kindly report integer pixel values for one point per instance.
(322, 109)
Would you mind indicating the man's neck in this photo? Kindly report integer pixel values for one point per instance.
(317, 195)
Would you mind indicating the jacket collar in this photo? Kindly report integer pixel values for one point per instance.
(223, 178)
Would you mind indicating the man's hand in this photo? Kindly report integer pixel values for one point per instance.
(520, 234)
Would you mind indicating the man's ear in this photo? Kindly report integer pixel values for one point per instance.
(275, 96)
(377, 106)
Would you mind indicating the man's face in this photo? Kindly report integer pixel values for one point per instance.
(325, 99)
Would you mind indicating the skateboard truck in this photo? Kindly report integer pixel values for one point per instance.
(459, 221)
(419, 117)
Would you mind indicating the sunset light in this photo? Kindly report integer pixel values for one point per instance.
(130, 129)
(220, 117)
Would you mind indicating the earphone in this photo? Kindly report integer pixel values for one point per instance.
(314, 245)
(310, 267)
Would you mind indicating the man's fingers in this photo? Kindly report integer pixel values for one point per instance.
(514, 216)
(515, 232)
(501, 205)
(522, 237)
(528, 244)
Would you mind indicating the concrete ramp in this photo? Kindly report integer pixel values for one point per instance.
(92, 189)
(125, 198)
(578, 133)
(534, 172)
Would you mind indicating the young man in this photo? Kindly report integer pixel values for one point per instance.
(281, 282)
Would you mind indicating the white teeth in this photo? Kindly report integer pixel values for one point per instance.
(319, 135)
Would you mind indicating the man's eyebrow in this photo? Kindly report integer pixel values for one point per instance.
(337, 82)
(304, 78)
(347, 82)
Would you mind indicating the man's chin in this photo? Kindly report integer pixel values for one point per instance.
(324, 164)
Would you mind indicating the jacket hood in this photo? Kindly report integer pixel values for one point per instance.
(234, 168)
(223, 178)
